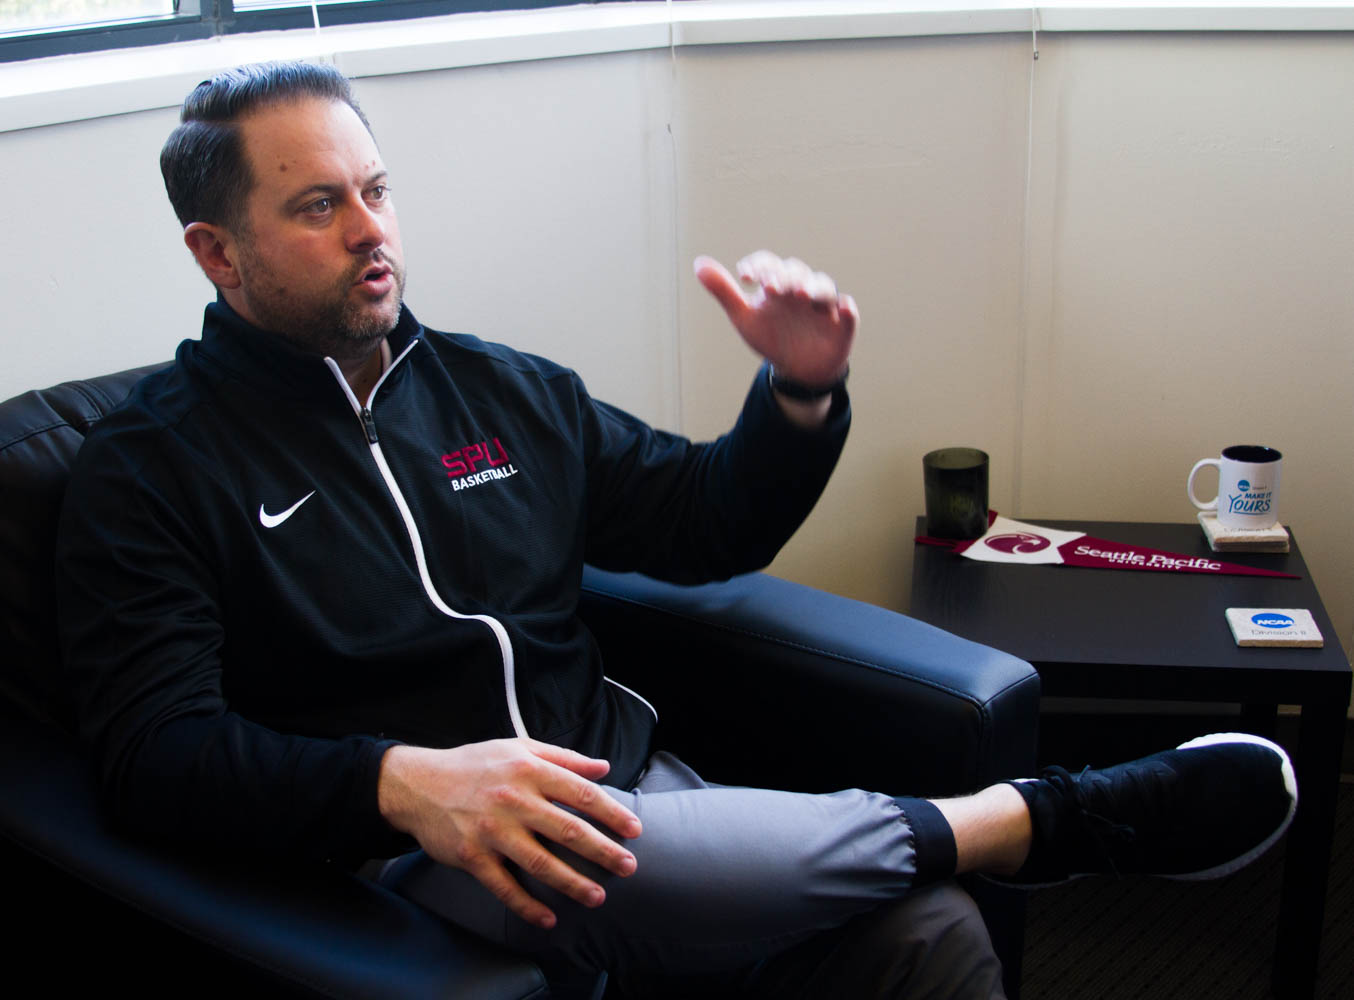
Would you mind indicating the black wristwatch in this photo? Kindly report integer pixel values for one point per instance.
(791, 389)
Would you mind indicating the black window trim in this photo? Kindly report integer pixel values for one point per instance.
(209, 18)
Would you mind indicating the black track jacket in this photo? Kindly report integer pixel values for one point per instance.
(262, 584)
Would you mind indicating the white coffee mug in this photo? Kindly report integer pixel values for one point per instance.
(1248, 486)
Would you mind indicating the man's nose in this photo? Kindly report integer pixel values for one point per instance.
(366, 228)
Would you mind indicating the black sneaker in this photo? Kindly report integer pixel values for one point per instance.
(1204, 810)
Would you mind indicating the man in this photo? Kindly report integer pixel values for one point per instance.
(318, 584)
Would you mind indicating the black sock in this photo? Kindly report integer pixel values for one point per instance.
(1028, 791)
(932, 839)
(1038, 807)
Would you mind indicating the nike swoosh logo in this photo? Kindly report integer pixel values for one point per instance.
(273, 520)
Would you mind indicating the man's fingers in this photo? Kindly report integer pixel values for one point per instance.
(721, 284)
(591, 768)
(543, 782)
(508, 891)
(821, 288)
(542, 865)
(517, 844)
(789, 277)
(764, 268)
(583, 793)
(557, 781)
(477, 805)
(574, 831)
(577, 834)
(850, 314)
(498, 840)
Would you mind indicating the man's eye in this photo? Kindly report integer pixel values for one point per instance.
(379, 193)
(319, 206)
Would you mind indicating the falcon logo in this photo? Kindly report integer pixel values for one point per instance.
(1017, 541)
(464, 465)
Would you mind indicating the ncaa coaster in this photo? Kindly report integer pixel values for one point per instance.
(1274, 627)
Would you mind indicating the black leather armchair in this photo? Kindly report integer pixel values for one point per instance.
(757, 681)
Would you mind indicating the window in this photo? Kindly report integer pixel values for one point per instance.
(42, 15)
(33, 28)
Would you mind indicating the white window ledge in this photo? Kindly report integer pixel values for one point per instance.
(71, 88)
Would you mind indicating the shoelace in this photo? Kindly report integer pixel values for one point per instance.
(1104, 832)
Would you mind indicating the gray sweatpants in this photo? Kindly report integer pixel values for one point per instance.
(769, 889)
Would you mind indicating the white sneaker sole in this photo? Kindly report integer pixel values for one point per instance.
(1290, 784)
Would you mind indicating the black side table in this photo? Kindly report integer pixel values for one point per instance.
(1125, 634)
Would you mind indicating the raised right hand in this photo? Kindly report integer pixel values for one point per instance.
(476, 805)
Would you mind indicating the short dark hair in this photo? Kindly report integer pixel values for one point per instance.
(206, 174)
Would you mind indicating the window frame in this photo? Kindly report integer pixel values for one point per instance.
(201, 19)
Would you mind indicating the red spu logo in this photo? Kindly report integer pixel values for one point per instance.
(464, 461)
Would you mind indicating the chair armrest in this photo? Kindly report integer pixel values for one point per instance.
(759, 680)
(302, 929)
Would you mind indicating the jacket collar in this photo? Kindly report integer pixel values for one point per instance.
(270, 362)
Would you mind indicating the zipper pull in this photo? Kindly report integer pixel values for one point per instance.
(369, 425)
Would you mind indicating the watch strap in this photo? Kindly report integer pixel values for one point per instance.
(802, 391)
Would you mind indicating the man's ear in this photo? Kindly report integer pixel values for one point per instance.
(214, 250)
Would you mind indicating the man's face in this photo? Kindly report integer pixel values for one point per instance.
(318, 256)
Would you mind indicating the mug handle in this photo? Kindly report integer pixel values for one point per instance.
(1189, 483)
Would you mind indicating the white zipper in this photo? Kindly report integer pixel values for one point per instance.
(500, 633)
(633, 694)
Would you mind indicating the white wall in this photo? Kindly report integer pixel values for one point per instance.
(93, 274)
(1188, 281)
(1193, 277)
(1180, 281)
(898, 166)
(536, 208)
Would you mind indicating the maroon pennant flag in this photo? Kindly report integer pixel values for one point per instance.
(1009, 541)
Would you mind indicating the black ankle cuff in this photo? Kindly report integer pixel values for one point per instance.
(1028, 791)
(1042, 819)
(932, 839)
